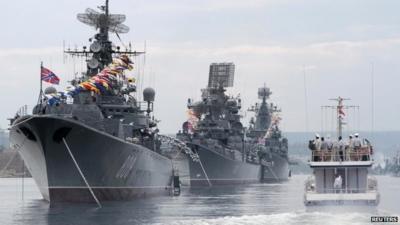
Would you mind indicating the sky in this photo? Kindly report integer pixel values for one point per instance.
(305, 51)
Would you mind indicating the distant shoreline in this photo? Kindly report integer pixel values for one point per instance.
(12, 165)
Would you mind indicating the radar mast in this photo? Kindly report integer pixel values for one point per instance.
(101, 49)
(340, 107)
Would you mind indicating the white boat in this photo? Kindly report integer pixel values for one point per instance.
(350, 162)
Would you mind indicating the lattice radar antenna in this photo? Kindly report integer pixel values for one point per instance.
(110, 22)
(101, 49)
(221, 75)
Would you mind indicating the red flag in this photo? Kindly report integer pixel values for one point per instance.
(341, 111)
(48, 76)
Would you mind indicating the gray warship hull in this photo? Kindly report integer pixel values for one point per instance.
(215, 168)
(114, 169)
(276, 170)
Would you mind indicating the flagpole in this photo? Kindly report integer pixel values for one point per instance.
(41, 85)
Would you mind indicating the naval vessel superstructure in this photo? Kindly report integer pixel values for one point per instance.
(264, 129)
(214, 132)
(392, 165)
(96, 141)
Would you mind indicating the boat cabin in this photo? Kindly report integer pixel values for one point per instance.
(340, 171)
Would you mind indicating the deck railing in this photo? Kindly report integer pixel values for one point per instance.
(22, 111)
(336, 155)
(342, 190)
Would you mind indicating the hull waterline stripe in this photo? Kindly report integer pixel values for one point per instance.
(229, 179)
(107, 187)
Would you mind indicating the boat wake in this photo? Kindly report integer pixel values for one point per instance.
(326, 218)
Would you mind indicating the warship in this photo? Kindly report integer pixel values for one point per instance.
(96, 141)
(392, 165)
(264, 129)
(216, 135)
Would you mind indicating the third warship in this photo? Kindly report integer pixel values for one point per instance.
(264, 129)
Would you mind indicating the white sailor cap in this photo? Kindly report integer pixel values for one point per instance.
(356, 134)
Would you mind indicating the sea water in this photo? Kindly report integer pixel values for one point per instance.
(282, 203)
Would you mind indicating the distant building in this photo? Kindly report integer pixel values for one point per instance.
(221, 74)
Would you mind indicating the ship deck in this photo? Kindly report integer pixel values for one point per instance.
(314, 164)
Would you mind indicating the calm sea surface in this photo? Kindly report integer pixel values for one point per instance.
(254, 204)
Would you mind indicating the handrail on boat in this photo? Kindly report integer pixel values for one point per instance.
(342, 190)
(359, 154)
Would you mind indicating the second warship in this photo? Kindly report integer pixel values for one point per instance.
(264, 129)
(392, 165)
(215, 133)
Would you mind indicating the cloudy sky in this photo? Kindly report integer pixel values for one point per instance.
(336, 43)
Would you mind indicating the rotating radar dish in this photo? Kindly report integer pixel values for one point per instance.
(93, 63)
(120, 28)
(90, 17)
(95, 47)
(110, 22)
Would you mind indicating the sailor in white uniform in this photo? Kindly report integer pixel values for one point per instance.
(337, 185)
(317, 142)
(349, 147)
(356, 142)
(329, 142)
(338, 150)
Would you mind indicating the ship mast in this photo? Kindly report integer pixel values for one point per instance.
(101, 50)
(340, 107)
(262, 111)
(264, 93)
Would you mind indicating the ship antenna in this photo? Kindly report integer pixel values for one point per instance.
(372, 101)
(305, 97)
(340, 112)
(100, 51)
(107, 8)
(144, 66)
(264, 94)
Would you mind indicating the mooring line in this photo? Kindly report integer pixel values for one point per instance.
(23, 121)
(81, 173)
(273, 174)
(204, 171)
